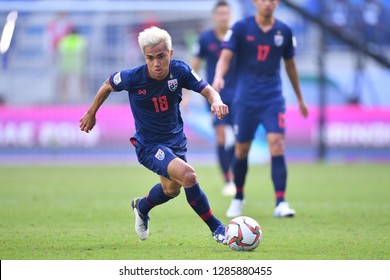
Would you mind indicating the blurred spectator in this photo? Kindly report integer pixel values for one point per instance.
(372, 21)
(146, 20)
(57, 28)
(73, 59)
(341, 15)
(247, 8)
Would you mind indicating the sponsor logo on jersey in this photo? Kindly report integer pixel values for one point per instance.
(160, 155)
(142, 91)
(172, 84)
(278, 39)
(212, 47)
(117, 78)
(250, 38)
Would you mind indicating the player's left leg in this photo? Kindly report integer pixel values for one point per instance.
(156, 159)
(273, 120)
(185, 175)
(276, 142)
(246, 121)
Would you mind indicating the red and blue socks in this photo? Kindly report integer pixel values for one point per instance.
(240, 169)
(279, 177)
(155, 197)
(225, 156)
(197, 199)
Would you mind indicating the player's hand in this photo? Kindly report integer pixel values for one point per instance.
(219, 109)
(303, 109)
(218, 84)
(87, 122)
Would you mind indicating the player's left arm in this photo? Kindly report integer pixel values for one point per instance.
(292, 74)
(218, 108)
(185, 103)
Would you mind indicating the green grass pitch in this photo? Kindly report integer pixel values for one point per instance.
(83, 212)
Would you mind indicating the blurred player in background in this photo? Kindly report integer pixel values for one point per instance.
(260, 42)
(155, 92)
(208, 49)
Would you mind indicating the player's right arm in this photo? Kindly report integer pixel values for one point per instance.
(88, 120)
(221, 69)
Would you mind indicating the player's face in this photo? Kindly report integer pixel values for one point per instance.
(222, 16)
(266, 8)
(157, 60)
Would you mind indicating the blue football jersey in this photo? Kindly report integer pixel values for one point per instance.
(155, 104)
(259, 57)
(209, 49)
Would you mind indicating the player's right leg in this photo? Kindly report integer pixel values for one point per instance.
(224, 158)
(161, 157)
(141, 220)
(142, 206)
(240, 170)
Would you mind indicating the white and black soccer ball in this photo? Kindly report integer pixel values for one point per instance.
(243, 234)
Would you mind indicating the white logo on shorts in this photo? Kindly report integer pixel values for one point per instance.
(160, 155)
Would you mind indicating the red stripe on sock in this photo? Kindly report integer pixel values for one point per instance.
(279, 194)
(206, 216)
(147, 202)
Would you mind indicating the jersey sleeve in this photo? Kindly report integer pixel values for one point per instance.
(289, 50)
(120, 80)
(231, 39)
(201, 47)
(191, 80)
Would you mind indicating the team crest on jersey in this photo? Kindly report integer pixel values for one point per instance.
(172, 84)
(278, 39)
(160, 155)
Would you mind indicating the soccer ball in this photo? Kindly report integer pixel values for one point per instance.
(243, 234)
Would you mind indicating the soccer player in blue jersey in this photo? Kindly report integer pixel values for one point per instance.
(208, 49)
(259, 43)
(155, 92)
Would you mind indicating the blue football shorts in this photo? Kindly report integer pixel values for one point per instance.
(157, 157)
(248, 118)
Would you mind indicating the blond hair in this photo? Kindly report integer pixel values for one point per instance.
(153, 36)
